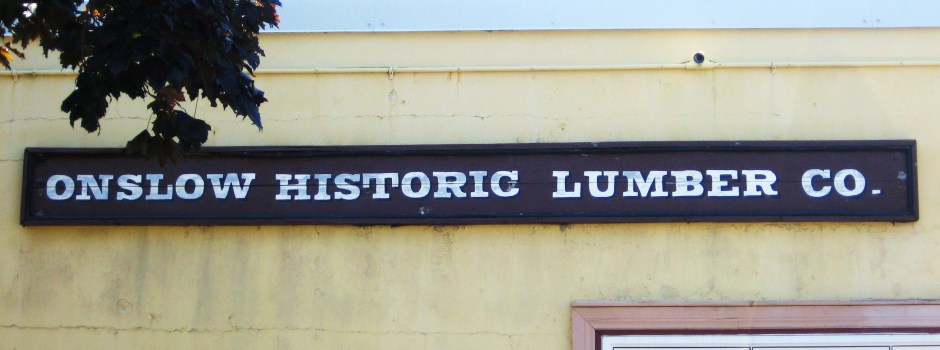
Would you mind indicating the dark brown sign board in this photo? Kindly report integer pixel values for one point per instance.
(478, 184)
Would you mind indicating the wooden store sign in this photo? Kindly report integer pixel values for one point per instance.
(477, 184)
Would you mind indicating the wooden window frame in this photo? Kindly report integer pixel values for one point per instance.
(592, 320)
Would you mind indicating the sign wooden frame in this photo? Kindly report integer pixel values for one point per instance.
(479, 184)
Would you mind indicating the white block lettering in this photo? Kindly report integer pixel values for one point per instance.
(346, 190)
(808, 183)
(221, 189)
(513, 182)
(130, 187)
(655, 177)
(286, 187)
(52, 187)
(478, 191)
(449, 184)
(561, 182)
(759, 182)
(688, 183)
(719, 186)
(98, 190)
(380, 181)
(322, 182)
(857, 177)
(198, 186)
(407, 185)
(594, 183)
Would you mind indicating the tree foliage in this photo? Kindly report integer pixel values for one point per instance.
(166, 51)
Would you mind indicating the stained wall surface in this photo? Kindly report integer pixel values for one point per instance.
(490, 286)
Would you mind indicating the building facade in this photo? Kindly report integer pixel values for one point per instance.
(478, 286)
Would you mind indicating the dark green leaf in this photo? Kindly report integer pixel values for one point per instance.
(138, 48)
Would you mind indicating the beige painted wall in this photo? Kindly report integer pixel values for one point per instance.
(477, 287)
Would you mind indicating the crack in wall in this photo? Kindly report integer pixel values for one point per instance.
(116, 330)
(60, 119)
(49, 119)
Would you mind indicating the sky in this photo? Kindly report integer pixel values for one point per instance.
(437, 15)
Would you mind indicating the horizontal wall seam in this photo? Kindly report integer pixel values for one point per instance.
(546, 68)
(236, 329)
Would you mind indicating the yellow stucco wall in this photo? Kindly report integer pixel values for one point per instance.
(477, 287)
